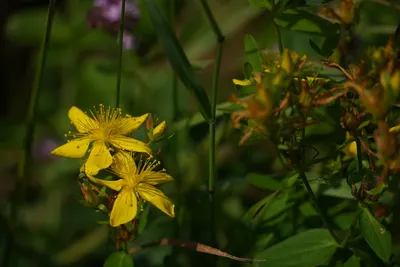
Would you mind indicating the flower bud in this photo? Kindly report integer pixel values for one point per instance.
(149, 123)
(385, 140)
(159, 130)
(287, 62)
(350, 123)
(89, 195)
(374, 100)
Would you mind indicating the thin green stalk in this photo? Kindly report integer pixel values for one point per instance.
(353, 223)
(278, 32)
(212, 124)
(22, 179)
(121, 49)
(214, 25)
(315, 202)
(37, 84)
(309, 189)
(175, 101)
(359, 156)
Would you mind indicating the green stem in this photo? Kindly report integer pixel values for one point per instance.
(22, 179)
(214, 25)
(320, 213)
(278, 32)
(121, 49)
(37, 84)
(175, 102)
(353, 223)
(359, 156)
(308, 187)
(212, 124)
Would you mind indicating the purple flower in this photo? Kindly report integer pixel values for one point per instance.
(106, 14)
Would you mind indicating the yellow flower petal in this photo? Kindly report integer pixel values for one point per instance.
(156, 197)
(123, 165)
(241, 82)
(73, 149)
(130, 124)
(99, 158)
(114, 185)
(130, 144)
(81, 121)
(124, 209)
(155, 178)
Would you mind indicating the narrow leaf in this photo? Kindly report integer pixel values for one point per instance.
(119, 259)
(354, 261)
(252, 53)
(377, 237)
(307, 249)
(304, 21)
(265, 181)
(178, 59)
(261, 3)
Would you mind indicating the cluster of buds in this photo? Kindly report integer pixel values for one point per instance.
(155, 134)
(262, 107)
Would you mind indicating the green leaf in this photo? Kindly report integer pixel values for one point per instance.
(119, 259)
(277, 205)
(304, 21)
(377, 237)
(247, 70)
(265, 181)
(231, 108)
(143, 218)
(255, 213)
(261, 4)
(354, 261)
(252, 53)
(178, 59)
(307, 249)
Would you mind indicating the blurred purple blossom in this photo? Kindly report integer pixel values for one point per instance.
(106, 14)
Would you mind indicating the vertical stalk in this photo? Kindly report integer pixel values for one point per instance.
(278, 32)
(315, 202)
(214, 93)
(359, 156)
(22, 179)
(175, 102)
(37, 84)
(121, 49)
(309, 189)
(353, 223)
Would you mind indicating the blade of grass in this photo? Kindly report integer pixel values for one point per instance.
(178, 59)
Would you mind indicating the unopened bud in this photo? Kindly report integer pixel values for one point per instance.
(159, 130)
(287, 62)
(385, 140)
(149, 123)
(350, 123)
(89, 195)
(395, 82)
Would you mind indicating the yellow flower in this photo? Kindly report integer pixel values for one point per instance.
(106, 129)
(137, 181)
(351, 148)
